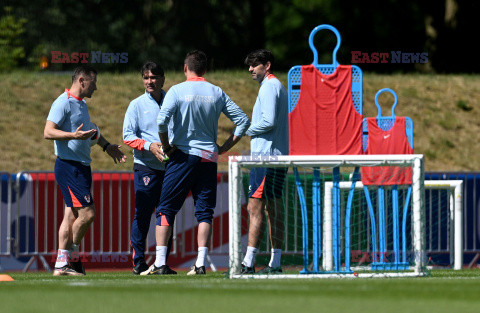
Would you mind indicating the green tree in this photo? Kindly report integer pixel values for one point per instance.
(11, 43)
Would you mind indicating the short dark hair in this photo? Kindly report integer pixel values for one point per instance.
(260, 56)
(196, 62)
(152, 67)
(83, 70)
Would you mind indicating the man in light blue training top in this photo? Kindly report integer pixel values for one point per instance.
(269, 131)
(68, 123)
(194, 107)
(140, 132)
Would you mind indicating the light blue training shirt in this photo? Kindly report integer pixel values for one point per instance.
(194, 107)
(69, 112)
(269, 128)
(140, 129)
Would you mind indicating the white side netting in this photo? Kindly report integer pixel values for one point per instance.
(318, 240)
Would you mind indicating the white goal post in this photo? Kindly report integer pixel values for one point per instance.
(455, 188)
(236, 163)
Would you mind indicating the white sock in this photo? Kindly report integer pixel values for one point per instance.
(202, 254)
(62, 258)
(161, 256)
(73, 252)
(275, 258)
(249, 259)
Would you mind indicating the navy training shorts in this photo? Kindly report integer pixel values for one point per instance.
(75, 181)
(266, 183)
(185, 173)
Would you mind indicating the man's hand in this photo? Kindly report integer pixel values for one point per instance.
(221, 149)
(167, 148)
(114, 152)
(83, 135)
(229, 143)
(156, 149)
(170, 150)
(53, 132)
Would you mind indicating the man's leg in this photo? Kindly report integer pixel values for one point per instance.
(203, 241)
(71, 232)
(204, 234)
(138, 235)
(75, 182)
(65, 237)
(162, 237)
(204, 192)
(86, 216)
(65, 233)
(274, 184)
(255, 229)
(274, 211)
(148, 186)
(175, 188)
(255, 209)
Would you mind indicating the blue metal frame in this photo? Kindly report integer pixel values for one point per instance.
(386, 123)
(316, 212)
(373, 225)
(355, 178)
(295, 73)
(336, 219)
(294, 82)
(303, 209)
(404, 263)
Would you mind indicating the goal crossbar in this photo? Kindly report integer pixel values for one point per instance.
(405, 160)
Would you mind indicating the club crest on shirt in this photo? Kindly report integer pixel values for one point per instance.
(146, 180)
(87, 198)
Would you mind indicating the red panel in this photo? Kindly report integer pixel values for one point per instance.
(392, 141)
(324, 121)
(120, 187)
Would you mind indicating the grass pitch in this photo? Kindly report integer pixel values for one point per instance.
(442, 291)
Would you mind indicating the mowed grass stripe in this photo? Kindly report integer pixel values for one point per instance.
(443, 291)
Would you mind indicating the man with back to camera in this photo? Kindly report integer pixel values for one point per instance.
(65, 123)
(194, 108)
(140, 132)
(269, 132)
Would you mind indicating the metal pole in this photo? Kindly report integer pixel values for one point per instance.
(458, 227)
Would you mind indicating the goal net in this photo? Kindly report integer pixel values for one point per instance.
(330, 227)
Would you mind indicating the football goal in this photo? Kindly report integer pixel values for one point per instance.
(326, 231)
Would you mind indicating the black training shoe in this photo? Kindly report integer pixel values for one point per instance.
(141, 266)
(78, 266)
(66, 271)
(270, 270)
(194, 270)
(247, 270)
(162, 270)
